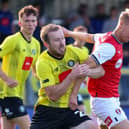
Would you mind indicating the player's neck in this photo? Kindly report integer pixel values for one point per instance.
(57, 56)
(117, 34)
(26, 36)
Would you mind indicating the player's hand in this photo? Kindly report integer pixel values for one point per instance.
(73, 102)
(83, 69)
(65, 31)
(11, 83)
(79, 71)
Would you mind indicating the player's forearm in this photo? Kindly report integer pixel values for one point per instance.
(56, 91)
(76, 87)
(3, 76)
(81, 36)
(96, 72)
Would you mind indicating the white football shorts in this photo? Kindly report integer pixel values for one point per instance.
(107, 110)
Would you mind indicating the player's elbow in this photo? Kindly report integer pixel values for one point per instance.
(52, 94)
(99, 74)
(102, 73)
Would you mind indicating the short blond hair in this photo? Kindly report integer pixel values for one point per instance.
(46, 29)
(124, 16)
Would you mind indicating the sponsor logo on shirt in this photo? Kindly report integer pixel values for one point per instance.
(118, 63)
(27, 63)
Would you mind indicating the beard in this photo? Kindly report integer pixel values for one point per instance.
(57, 54)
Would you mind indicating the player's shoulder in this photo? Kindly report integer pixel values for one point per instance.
(43, 58)
(72, 47)
(77, 49)
(13, 36)
(85, 49)
(35, 39)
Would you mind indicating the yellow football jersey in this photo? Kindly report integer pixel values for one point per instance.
(18, 55)
(53, 71)
(84, 49)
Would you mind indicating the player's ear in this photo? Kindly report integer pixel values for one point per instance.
(19, 23)
(45, 44)
(121, 23)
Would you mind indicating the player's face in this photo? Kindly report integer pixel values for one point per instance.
(56, 43)
(28, 24)
(125, 33)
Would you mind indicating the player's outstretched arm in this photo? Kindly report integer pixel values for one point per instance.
(89, 38)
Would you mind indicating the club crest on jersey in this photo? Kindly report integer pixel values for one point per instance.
(33, 51)
(118, 63)
(71, 63)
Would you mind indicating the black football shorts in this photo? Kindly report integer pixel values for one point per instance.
(13, 107)
(56, 118)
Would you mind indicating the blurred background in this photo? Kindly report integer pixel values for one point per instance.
(96, 15)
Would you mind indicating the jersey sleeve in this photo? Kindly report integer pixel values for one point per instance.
(103, 53)
(81, 53)
(44, 73)
(7, 46)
